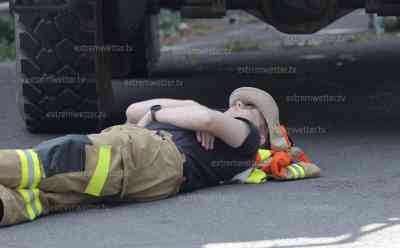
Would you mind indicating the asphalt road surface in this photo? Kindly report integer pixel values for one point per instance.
(353, 138)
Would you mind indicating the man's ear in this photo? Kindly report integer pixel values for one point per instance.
(263, 139)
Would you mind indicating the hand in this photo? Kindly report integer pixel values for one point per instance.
(146, 119)
(205, 139)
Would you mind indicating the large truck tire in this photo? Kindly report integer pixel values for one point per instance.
(56, 72)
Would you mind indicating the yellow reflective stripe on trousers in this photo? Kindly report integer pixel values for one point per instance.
(37, 203)
(300, 170)
(30, 169)
(33, 206)
(100, 174)
(36, 169)
(24, 169)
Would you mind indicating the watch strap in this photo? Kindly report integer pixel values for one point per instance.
(153, 111)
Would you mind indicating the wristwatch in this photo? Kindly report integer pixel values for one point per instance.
(153, 111)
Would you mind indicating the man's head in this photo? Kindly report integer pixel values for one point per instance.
(256, 105)
(251, 113)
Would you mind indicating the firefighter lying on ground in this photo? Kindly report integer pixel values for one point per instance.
(166, 147)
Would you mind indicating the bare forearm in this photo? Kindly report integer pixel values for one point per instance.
(200, 118)
(192, 117)
(137, 111)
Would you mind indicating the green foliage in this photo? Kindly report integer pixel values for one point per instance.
(7, 39)
(169, 23)
(392, 24)
(7, 29)
(241, 45)
(7, 51)
(361, 37)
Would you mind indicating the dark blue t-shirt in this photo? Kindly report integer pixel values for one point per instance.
(206, 168)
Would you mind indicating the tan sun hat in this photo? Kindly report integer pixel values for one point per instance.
(266, 104)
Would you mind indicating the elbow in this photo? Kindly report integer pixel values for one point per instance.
(130, 114)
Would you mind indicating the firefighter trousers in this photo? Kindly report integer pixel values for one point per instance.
(123, 163)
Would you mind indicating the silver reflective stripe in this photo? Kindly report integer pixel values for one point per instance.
(32, 202)
(31, 170)
(33, 206)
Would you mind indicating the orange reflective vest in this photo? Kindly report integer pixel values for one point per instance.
(290, 164)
